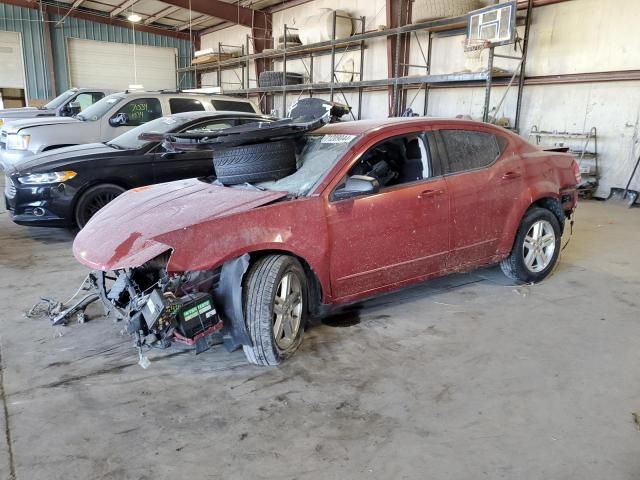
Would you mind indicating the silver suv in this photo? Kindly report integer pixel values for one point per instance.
(67, 104)
(105, 120)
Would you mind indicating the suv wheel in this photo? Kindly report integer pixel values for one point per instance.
(274, 308)
(93, 200)
(536, 248)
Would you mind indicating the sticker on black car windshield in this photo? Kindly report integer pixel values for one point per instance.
(337, 138)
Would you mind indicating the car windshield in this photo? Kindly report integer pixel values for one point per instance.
(319, 155)
(59, 100)
(130, 141)
(98, 109)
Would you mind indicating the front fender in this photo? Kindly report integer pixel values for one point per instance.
(297, 227)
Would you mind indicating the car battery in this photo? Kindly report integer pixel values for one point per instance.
(196, 314)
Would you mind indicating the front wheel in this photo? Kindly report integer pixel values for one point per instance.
(275, 293)
(536, 248)
(93, 200)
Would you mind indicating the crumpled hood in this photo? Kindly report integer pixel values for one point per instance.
(145, 222)
(17, 125)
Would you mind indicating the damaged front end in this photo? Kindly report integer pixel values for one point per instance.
(198, 309)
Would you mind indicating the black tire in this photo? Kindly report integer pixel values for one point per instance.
(261, 285)
(276, 79)
(93, 199)
(515, 265)
(260, 162)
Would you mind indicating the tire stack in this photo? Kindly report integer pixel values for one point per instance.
(259, 162)
(271, 78)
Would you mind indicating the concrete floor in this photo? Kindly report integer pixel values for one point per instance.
(467, 377)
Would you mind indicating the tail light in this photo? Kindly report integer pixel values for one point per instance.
(576, 171)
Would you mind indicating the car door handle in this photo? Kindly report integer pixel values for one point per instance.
(511, 175)
(430, 193)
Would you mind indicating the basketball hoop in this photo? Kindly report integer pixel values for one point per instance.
(476, 55)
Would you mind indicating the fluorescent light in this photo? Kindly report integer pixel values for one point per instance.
(134, 17)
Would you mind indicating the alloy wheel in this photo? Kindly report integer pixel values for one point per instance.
(539, 246)
(287, 310)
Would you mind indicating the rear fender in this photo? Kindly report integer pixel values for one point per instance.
(541, 190)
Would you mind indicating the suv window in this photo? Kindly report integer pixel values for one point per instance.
(468, 150)
(232, 106)
(179, 105)
(395, 161)
(141, 110)
(86, 99)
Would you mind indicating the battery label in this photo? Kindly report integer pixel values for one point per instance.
(197, 310)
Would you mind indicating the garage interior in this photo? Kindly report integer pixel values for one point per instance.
(465, 376)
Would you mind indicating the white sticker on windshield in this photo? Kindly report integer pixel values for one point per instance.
(168, 120)
(112, 100)
(337, 138)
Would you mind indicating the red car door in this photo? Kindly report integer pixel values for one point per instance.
(395, 235)
(482, 184)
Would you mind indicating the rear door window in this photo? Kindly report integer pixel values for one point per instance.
(232, 106)
(468, 150)
(141, 110)
(179, 105)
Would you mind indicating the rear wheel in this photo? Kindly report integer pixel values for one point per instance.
(93, 200)
(274, 308)
(536, 248)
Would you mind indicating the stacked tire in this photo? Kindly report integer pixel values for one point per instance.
(260, 162)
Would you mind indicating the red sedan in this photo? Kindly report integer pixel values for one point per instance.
(373, 206)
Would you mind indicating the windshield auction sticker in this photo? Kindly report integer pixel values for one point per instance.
(337, 138)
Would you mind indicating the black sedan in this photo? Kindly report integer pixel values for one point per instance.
(65, 187)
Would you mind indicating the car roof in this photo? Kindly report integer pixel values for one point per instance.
(218, 113)
(174, 94)
(360, 127)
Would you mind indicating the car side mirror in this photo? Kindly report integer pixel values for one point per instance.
(355, 186)
(119, 120)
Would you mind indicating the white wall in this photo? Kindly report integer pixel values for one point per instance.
(235, 35)
(579, 36)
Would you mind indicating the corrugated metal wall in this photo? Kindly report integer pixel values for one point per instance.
(27, 21)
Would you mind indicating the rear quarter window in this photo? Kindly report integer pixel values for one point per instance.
(179, 105)
(232, 106)
(469, 150)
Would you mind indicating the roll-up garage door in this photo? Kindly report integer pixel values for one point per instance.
(111, 65)
(11, 61)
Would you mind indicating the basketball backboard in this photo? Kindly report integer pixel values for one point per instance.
(495, 24)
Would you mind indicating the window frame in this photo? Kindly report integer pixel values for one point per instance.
(443, 153)
(171, 112)
(421, 135)
(249, 104)
(155, 99)
(93, 96)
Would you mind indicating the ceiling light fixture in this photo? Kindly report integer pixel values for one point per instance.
(134, 18)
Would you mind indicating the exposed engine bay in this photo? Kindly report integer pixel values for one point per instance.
(160, 308)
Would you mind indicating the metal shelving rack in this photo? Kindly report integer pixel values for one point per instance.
(586, 148)
(447, 26)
